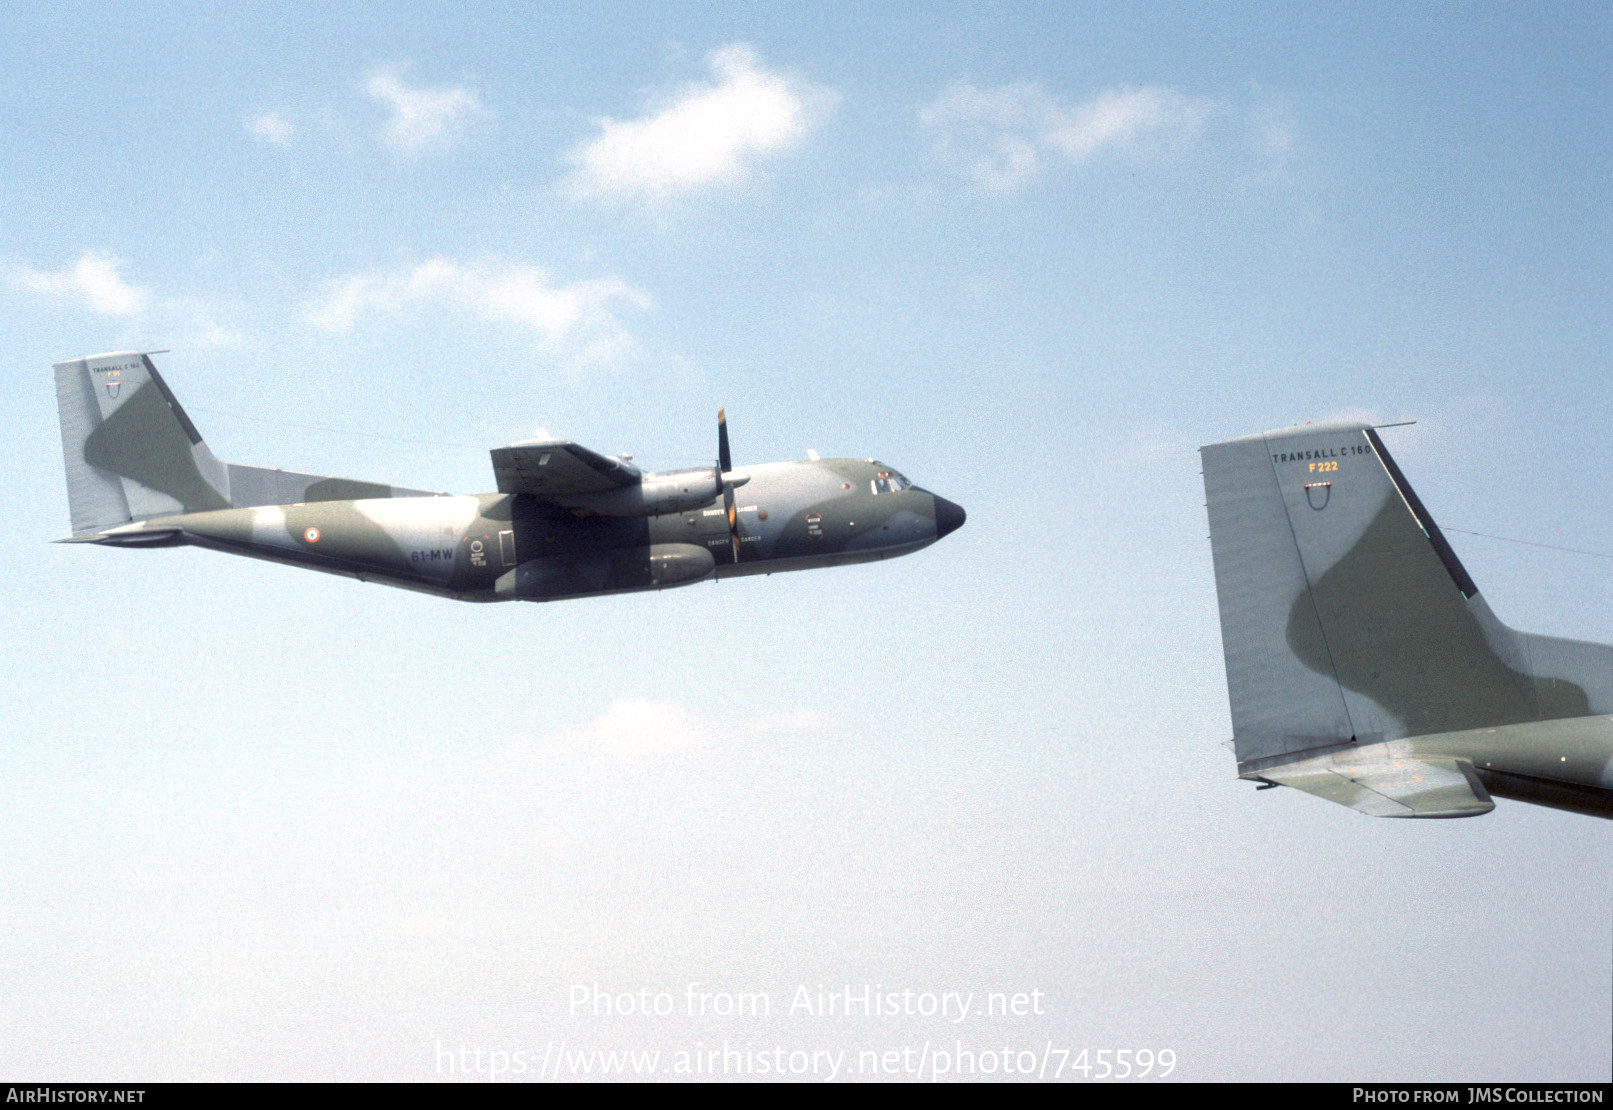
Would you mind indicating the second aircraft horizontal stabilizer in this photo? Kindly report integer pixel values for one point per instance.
(1399, 788)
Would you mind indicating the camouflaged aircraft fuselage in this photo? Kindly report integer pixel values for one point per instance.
(566, 523)
(502, 546)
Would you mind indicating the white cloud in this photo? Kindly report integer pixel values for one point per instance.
(634, 730)
(271, 127)
(638, 728)
(195, 324)
(96, 281)
(423, 117)
(95, 277)
(577, 320)
(707, 133)
(1272, 141)
(1004, 137)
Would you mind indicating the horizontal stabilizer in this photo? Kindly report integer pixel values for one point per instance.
(1399, 788)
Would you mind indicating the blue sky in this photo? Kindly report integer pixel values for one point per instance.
(258, 823)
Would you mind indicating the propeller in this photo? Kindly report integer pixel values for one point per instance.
(725, 464)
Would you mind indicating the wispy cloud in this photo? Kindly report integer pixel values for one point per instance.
(96, 283)
(1273, 138)
(1005, 137)
(578, 321)
(704, 134)
(271, 127)
(639, 728)
(96, 279)
(196, 323)
(423, 117)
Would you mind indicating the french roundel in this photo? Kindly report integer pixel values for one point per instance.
(312, 535)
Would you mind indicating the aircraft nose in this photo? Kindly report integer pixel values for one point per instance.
(949, 516)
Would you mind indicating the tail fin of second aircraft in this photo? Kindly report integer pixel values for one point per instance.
(1345, 615)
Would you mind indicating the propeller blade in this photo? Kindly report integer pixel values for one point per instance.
(725, 463)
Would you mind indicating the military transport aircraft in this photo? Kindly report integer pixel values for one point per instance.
(565, 522)
(1362, 664)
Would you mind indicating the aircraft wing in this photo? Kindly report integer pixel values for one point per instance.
(557, 469)
(1399, 788)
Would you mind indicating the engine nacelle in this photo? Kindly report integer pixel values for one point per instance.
(676, 491)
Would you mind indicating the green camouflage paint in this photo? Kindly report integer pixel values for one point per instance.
(142, 440)
(1395, 629)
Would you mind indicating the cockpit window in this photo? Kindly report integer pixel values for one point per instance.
(888, 481)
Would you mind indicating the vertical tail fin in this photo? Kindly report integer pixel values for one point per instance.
(130, 450)
(1345, 615)
(132, 453)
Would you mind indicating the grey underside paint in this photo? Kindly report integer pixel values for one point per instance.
(94, 497)
(1279, 704)
(1565, 764)
(337, 567)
